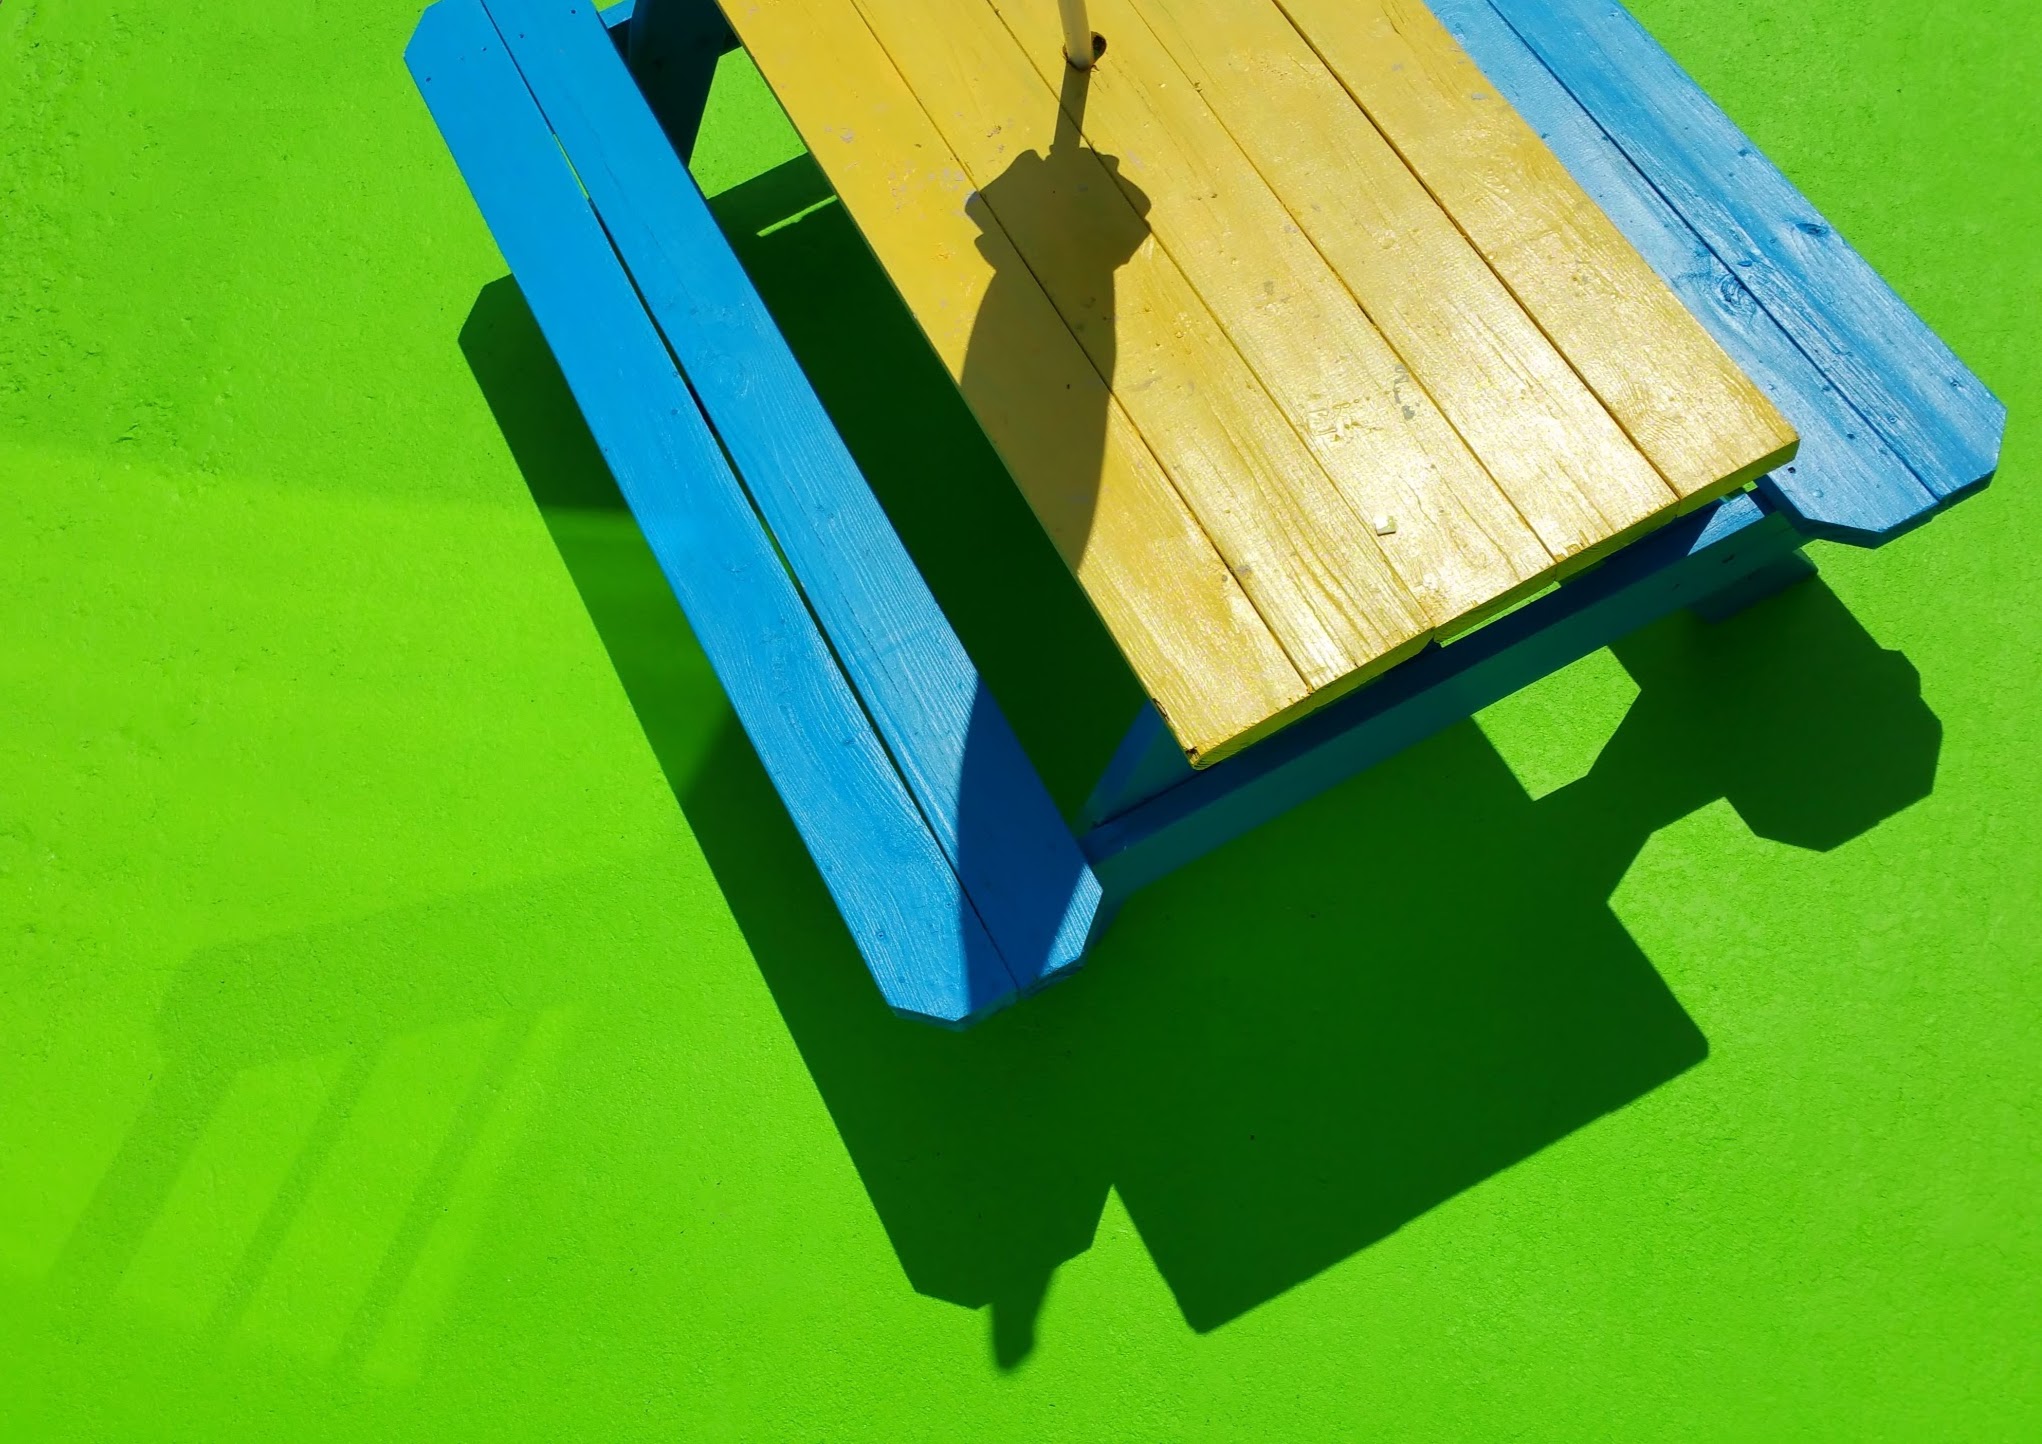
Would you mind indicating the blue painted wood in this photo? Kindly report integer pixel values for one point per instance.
(1696, 557)
(1940, 418)
(895, 888)
(1148, 760)
(1753, 587)
(949, 741)
(1846, 484)
(672, 50)
(617, 17)
(982, 797)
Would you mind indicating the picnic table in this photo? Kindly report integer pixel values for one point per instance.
(1373, 365)
(1364, 361)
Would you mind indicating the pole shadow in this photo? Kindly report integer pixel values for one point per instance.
(1301, 1043)
(1078, 220)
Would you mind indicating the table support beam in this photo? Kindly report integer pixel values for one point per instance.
(1754, 587)
(1718, 559)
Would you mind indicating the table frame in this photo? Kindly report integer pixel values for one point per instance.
(961, 884)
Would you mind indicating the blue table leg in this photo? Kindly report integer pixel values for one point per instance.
(1149, 760)
(672, 47)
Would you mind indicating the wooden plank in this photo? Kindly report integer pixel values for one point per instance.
(1940, 418)
(1679, 396)
(1507, 391)
(1459, 544)
(977, 789)
(1845, 483)
(1375, 426)
(1311, 566)
(890, 880)
(1191, 634)
(1688, 561)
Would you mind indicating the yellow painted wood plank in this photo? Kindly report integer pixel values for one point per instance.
(1309, 562)
(1680, 397)
(1459, 543)
(1190, 632)
(1374, 426)
(1512, 396)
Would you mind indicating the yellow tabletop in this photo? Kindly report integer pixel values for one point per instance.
(1301, 344)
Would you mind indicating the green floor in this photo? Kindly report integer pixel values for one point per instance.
(417, 1019)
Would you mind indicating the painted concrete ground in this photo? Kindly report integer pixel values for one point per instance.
(418, 1021)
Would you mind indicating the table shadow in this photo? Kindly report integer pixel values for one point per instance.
(1312, 1037)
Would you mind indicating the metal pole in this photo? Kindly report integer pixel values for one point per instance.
(1078, 42)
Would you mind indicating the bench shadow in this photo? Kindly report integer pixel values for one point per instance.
(321, 1100)
(1307, 1040)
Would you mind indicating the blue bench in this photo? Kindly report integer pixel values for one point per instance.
(961, 883)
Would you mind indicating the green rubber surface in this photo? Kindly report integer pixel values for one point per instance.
(418, 1020)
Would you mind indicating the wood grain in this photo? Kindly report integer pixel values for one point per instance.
(1885, 360)
(1521, 407)
(947, 736)
(1459, 543)
(1311, 566)
(1186, 626)
(1845, 483)
(1278, 331)
(1703, 423)
(897, 892)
